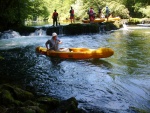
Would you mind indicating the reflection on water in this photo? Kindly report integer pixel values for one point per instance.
(114, 84)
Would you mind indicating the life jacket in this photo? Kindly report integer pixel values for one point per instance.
(91, 12)
(55, 14)
(72, 11)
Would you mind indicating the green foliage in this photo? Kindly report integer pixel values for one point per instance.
(145, 11)
(136, 7)
(15, 12)
(118, 9)
(134, 21)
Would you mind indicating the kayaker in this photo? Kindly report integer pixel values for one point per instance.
(53, 43)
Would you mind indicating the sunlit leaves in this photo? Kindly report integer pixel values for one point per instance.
(145, 11)
(118, 9)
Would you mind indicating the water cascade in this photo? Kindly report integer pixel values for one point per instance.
(9, 34)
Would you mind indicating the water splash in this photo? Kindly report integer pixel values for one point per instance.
(9, 34)
(125, 26)
(38, 32)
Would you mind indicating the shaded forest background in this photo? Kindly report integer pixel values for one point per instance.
(16, 12)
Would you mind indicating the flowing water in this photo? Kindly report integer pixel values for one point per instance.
(113, 85)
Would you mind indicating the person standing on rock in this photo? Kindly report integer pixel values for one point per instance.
(91, 14)
(99, 12)
(72, 15)
(55, 17)
(107, 12)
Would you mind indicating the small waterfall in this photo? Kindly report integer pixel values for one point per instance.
(125, 26)
(60, 30)
(102, 28)
(9, 34)
(38, 32)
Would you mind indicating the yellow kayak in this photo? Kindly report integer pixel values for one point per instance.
(97, 20)
(77, 53)
(112, 19)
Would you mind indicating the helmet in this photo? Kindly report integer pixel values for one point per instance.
(54, 34)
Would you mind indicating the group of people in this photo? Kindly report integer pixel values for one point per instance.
(54, 42)
(92, 14)
(55, 16)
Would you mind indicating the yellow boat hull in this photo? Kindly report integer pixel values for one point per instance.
(77, 53)
(111, 19)
(97, 20)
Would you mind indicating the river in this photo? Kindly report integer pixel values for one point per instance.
(112, 85)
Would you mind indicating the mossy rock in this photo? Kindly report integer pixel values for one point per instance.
(48, 103)
(69, 106)
(110, 26)
(7, 99)
(20, 110)
(29, 109)
(73, 29)
(30, 103)
(1, 58)
(3, 109)
(137, 110)
(23, 95)
(24, 30)
(76, 29)
(17, 93)
(50, 30)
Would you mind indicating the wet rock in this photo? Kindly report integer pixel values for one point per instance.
(29, 109)
(30, 103)
(48, 103)
(137, 110)
(3, 109)
(16, 100)
(69, 106)
(1, 58)
(18, 93)
(76, 29)
(7, 99)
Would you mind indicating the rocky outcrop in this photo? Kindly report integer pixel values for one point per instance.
(16, 100)
(76, 29)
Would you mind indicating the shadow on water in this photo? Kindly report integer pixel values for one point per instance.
(56, 61)
(91, 62)
(100, 63)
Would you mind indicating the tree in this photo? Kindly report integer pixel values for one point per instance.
(14, 12)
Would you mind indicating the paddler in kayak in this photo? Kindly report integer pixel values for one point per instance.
(53, 43)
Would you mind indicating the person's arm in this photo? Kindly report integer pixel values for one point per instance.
(46, 44)
(52, 15)
(59, 41)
